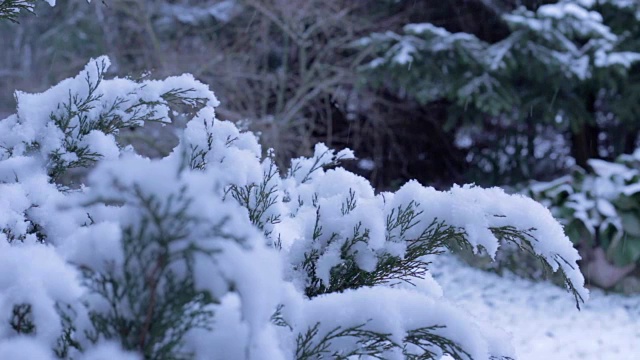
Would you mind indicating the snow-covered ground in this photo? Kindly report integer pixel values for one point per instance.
(543, 318)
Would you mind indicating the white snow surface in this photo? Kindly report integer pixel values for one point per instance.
(544, 323)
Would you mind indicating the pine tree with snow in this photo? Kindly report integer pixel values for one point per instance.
(568, 66)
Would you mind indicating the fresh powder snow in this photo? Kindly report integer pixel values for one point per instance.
(542, 321)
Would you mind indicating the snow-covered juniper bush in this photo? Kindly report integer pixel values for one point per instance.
(213, 252)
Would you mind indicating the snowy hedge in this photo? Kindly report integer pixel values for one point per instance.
(214, 253)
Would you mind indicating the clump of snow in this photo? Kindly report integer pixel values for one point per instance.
(35, 274)
(24, 347)
(561, 10)
(624, 59)
(394, 311)
(366, 164)
(108, 351)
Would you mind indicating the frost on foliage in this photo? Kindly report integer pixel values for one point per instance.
(214, 252)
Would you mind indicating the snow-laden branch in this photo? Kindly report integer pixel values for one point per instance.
(214, 252)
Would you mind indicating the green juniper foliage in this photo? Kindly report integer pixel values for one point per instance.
(151, 305)
(21, 320)
(258, 199)
(77, 118)
(431, 345)
(310, 345)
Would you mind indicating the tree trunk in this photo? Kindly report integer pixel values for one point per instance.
(584, 142)
(630, 140)
(584, 145)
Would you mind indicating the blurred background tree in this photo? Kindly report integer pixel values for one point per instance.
(488, 91)
(554, 89)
